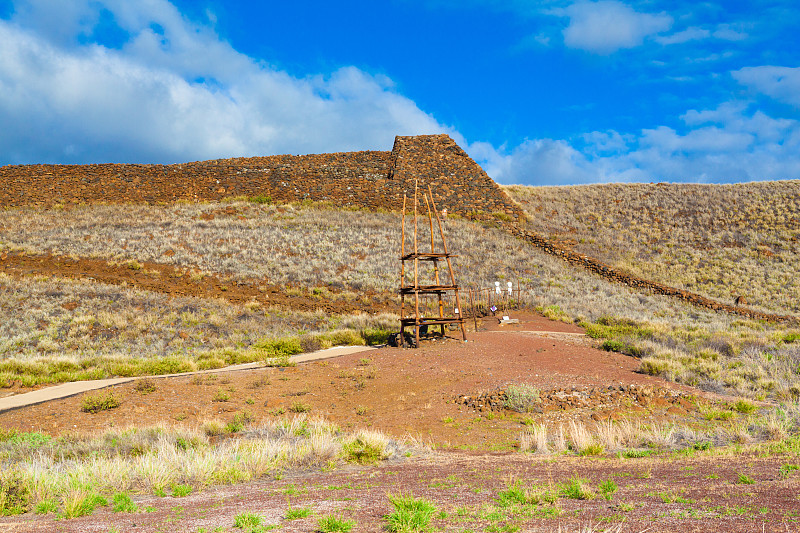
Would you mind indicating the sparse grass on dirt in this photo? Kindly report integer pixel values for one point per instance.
(742, 357)
(46, 337)
(778, 426)
(56, 330)
(81, 472)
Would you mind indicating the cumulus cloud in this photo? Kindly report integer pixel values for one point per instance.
(606, 26)
(780, 83)
(725, 144)
(544, 161)
(173, 91)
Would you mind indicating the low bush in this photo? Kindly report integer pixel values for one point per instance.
(334, 524)
(14, 494)
(521, 397)
(94, 403)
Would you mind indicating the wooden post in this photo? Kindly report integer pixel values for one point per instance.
(435, 261)
(416, 272)
(474, 314)
(449, 267)
(402, 273)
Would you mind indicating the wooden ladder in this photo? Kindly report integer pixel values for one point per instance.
(433, 288)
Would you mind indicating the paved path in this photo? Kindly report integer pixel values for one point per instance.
(78, 387)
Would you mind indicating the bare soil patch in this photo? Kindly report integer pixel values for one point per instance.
(399, 391)
(174, 281)
(415, 392)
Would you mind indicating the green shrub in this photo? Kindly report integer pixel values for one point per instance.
(636, 454)
(592, 449)
(613, 345)
(577, 489)
(521, 397)
(295, 513)
(179, 491)
(376, 336)
(334, 524)
(247, 520)
(94, 403)
(240, 420)
(744, 407)
(791, 337)
(82, 504)
(167, 365)
(46, 507)
(410, 514)
(145, 386)
(261, 199)
(281, 347)
(514, 495)
(121, 502)
(32, 439)
(362, 452)
(607, 488)
(299, 407)
(221, 396)
(14, 494)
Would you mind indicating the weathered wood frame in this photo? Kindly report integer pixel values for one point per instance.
(437, 289)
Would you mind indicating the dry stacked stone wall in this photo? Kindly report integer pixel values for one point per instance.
(370, 179)
(457, 182)
(374, 180)
(347, 177)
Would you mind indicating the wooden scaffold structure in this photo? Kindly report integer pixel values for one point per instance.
(435, 288)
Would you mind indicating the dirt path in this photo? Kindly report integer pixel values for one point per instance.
(65, 390)
(403, 391)
(173, 281)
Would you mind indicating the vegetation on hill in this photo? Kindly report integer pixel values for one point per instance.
(314, 249)
(720, 241)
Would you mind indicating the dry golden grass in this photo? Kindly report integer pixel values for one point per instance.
(721, 241)
(310, 248)
(124, 332)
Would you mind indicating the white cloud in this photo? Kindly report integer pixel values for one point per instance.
(725, 32)
(544, 161)
(689, 34)
(780, 83)
(606, 26)
(599, 142)
(62, 101)
(725, 144)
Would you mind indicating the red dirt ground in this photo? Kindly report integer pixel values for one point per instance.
(404, 391)
(414, 392)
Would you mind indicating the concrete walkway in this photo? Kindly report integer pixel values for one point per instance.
(72, 388)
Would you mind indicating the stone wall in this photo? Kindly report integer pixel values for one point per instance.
(373, 180)
(365, 179)
(455, 179)
(284, 178)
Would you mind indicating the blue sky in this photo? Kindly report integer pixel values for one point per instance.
(550, 92)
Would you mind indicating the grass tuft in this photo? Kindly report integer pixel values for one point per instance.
(334, 524)
(410, 514)
(94, 403)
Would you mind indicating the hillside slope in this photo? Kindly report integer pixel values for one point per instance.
(720, 241)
